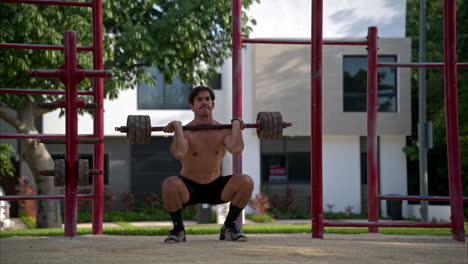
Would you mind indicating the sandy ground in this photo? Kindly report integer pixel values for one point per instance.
(271, 249)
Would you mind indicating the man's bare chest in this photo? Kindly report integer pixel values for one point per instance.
(206, 143)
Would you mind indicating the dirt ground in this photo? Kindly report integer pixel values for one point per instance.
(271, 249)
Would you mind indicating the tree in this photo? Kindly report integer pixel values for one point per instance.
(437, 157)
(189, 39)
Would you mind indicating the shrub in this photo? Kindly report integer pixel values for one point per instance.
(260, 203)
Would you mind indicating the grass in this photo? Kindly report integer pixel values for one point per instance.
(127, 230)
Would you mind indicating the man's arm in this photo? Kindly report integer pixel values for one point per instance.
(234, 142)
(179, 145)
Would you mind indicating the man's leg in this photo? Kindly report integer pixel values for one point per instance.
(175, 194)
(238, 191)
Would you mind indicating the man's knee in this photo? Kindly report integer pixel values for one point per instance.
(172, 184)
(244, 181)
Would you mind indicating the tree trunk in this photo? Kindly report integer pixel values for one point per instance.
(38, 158)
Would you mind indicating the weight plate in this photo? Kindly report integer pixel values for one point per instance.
(83, 172)
(59, 177)
(147, 134)
(131, 129)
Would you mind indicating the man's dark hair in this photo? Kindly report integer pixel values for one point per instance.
(197, 90)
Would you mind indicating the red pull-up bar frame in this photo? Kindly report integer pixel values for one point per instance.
(450, 69)
(71, 75)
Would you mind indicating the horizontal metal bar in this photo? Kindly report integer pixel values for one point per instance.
(41, 136)
(302, 42)
(38, 91)
(347, 43)
(63, 141)
(411, 64)
(50, 2)
(40, 46)
(92, 172)
(418, 198)
(277, 41)
(46, 73)
(418, 64)
(388, 224)
(41, 197)
(95, 73)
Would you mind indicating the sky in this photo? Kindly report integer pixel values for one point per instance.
(342, 18)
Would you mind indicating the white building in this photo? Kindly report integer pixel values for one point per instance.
(277, 78)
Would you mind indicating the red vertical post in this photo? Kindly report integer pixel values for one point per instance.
(372, 163)
(451, 119)
(98, 85)
(237, 73)
(237, 80)
(71, 121)
(316, 119)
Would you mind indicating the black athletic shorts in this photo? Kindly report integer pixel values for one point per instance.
(209, 193)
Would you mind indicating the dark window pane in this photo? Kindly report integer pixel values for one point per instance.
(299, 167)
(162, 95)
(355, 85)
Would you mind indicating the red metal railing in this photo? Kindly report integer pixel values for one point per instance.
(70, 75)
(450, 66)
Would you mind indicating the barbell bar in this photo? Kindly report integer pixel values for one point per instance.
(269, 125)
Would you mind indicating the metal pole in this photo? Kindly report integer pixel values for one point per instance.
(237, 72)
(71, 121)
(237, 79)
(422, 125)
(451, 119)
(316, 120)
(98, 84)
(372, 162)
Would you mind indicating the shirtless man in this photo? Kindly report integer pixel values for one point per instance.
(200, 180)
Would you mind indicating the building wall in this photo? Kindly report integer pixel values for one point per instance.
(282, 83)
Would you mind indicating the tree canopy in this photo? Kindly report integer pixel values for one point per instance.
(189, 39)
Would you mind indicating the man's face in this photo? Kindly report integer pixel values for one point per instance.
(202, 104)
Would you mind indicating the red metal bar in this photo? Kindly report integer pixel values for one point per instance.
(462, 65)
(411, 65)
(49, 2)
(71, 126)
(46, 73)
(348, 43)
(276, 41)
(372, 163)
(38, 91)
(40, 136)
(39, 46)
(316, 119)
(95, 73)
(237, 79)
(41, 197)
(451, 119)
(388, 224)
(301, 42)
(418, 198)
(98, 85)
(237, 72)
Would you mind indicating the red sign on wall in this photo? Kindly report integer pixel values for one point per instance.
(278, 174)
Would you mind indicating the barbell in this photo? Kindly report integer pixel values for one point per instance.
(59, 172)
(269, 125)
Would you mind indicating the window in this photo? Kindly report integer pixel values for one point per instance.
(355, 85)
(285, 160)
(162, 95)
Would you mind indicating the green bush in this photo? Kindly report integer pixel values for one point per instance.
(139, 214)
(265, 218)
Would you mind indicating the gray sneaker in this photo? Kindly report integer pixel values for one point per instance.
(232, 234)
(175, 236)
